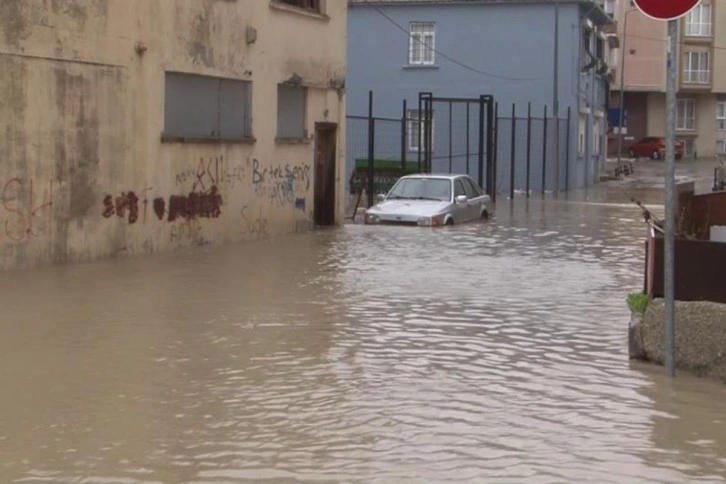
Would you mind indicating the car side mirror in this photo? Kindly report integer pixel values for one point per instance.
(380, 197)
(461, 199)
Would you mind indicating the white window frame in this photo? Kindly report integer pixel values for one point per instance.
(685, 120)
(696, 67)
(609, 6)
(721, 146)
(422, 43)
(698, 20)
(413, 119)
(721, 115)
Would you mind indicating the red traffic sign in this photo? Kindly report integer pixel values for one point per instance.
(665, 9)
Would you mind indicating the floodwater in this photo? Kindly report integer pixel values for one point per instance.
(492, 352)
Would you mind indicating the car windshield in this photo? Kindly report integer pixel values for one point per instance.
(422, 189)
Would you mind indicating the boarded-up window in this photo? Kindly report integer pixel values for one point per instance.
(207, 107)
(291, 111)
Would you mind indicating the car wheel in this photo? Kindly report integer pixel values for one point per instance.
(484, 215)
(655, 155)
(449, 221)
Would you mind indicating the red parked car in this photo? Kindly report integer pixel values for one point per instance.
(653, 147)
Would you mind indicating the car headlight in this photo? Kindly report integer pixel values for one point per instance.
(434, 221)
(372, 218)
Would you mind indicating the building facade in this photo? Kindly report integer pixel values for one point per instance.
(398, 49)
(137, 126)
(701, 79)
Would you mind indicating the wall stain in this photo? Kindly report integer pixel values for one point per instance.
(75, 100)
(200, 43)
(13, 22)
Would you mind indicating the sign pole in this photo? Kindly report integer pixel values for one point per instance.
(671, 11)
(670, 202)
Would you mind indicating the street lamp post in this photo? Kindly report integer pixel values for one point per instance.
(622, 87)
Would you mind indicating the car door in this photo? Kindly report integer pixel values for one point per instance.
(462, 211)
(642, 147)
(475, 195)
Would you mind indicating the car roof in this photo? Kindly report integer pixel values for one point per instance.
(448, 176)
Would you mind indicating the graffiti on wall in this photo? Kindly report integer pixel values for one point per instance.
(25, 214)
(253, 223)
(126, 203)
(196, 204)
(188, 230)
(204, 175)
(206, 205)
(282, 185)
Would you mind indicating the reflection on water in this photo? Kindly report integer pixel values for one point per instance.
(492, 352)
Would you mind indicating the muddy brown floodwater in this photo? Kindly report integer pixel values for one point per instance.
(493, 352)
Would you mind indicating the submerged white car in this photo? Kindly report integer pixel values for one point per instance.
(430, 200)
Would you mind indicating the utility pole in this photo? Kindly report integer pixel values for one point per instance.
(671, 11)
(670, 202)
(555, 99)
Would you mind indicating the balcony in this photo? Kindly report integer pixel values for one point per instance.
(697, 78)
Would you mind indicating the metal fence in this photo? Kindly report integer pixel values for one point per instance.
(524, 153)
(526, 160)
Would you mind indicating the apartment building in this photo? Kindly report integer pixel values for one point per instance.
(701, 81)
(139, 126)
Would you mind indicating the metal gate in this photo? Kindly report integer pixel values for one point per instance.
(468, 137)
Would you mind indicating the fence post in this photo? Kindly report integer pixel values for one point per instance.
(491, 153)
(426, 134)
(430, 135)
(480, 147)
(567, 151)
(404, 141)
(512, 156)
(529, 142)
(371, 148)
(419, 131)
(467, 141)
(544, 154)
(496, 148)
(450, 141)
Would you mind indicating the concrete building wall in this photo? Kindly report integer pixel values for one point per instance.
(85, 173)
(645, 48)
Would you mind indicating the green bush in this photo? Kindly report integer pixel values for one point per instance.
(638, 302)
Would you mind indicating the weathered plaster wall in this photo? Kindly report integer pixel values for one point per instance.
(700, 329)
(83, 171)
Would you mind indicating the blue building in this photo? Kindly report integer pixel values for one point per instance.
(464, 49)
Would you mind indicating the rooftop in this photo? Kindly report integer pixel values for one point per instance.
(595, 7)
